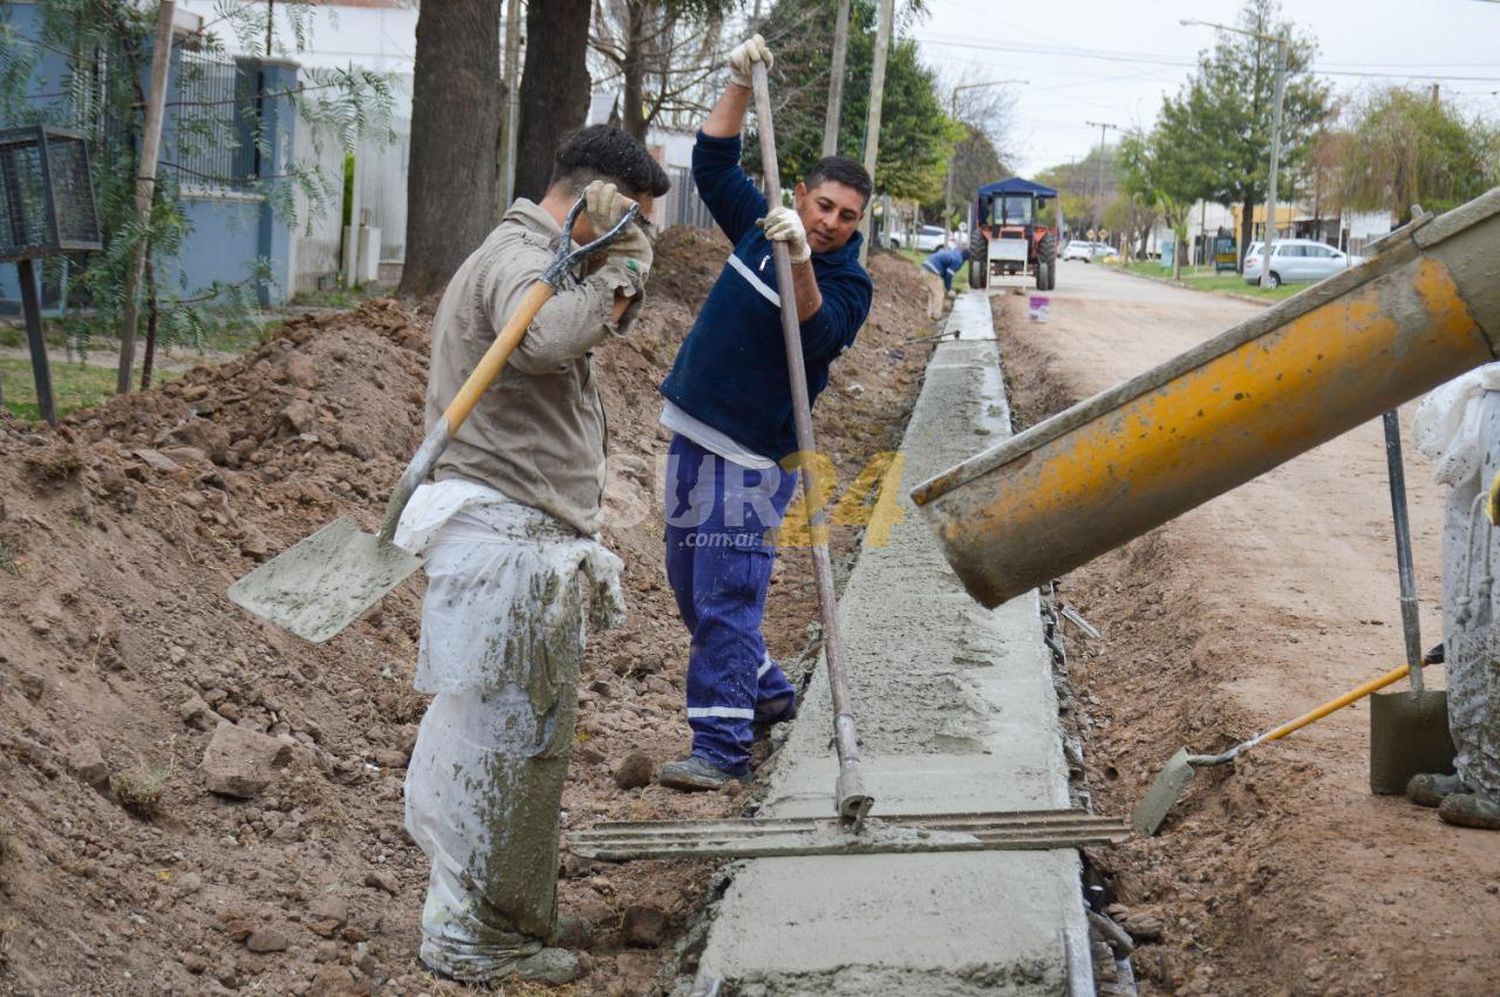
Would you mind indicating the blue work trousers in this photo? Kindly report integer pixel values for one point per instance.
(719, 566)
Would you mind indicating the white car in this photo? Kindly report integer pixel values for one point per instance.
(928, 239)
(1077, 249)
(1296, 261)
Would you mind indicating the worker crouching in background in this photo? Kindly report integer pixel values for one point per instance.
(937, 273)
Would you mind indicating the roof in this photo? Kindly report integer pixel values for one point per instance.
(1017, 185)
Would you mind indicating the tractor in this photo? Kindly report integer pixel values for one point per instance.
(1006, 238)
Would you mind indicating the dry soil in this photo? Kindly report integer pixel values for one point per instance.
(119, 655)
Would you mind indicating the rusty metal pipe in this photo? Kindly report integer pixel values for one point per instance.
(1425, 309)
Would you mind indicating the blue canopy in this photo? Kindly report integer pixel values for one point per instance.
(1016, 185)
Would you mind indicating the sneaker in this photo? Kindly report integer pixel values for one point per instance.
(692, 774)
(1471, 810)
(1429, 789)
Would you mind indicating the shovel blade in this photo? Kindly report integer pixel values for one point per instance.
(1169, 785)
(323, 583)
(1408, 735)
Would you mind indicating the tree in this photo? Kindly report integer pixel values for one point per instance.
(916, 134)
(661, 52)
(1405, 147)
(1166, 176)
(981, 132)
(554, 87)
(975, 162)
(1222, 117)
(455, 125)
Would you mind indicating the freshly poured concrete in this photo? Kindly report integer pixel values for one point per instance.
(956, 713)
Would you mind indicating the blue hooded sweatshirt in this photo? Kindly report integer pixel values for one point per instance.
(731, 371)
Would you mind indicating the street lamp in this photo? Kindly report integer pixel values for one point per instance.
(953, 113)
(1281, 42)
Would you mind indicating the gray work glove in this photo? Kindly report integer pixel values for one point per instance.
(744, 57)
(628, 258)
(783, 224)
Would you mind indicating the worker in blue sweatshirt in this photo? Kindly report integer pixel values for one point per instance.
(729, 407)
(938, 271)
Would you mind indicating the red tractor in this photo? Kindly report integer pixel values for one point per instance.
(1006, 239)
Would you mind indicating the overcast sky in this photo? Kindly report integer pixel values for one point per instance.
(1111, 60)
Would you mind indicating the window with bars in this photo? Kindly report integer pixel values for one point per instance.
(214, 117)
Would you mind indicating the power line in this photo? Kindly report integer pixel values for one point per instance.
(1160, 60)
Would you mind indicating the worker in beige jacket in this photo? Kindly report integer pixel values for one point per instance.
(506, 528)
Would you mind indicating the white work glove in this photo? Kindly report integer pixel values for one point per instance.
(630, 253)
(783, 224)
(744, 57)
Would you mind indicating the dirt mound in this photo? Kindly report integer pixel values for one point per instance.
(120, 658)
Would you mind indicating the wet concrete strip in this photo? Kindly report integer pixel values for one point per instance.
(956, 713)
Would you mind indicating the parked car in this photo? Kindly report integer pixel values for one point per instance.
(1296, 261)
(1077, 249)
(1080, 249)
(927, 239)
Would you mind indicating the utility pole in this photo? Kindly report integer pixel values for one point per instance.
(836, 81)
(512, 103)
(872, 123)
(145, 188)
(1099, 210)
(1265, 271)
(953, 113)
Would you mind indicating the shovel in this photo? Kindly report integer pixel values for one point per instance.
(1408, 730)
(851, 799)
(1178, 771)
(324, 582)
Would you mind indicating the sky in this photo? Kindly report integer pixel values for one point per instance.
(1113, 60)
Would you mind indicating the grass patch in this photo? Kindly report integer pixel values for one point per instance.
(139, 790)
(1204, 279)
(10, 567)
(74, 386)
(238, 334)
(340, 297)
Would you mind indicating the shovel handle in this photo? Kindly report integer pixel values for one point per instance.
(484, 374)
(851, 800)
(1410, 627)
(1374, 685)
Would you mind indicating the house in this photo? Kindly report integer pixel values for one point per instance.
(209, 156)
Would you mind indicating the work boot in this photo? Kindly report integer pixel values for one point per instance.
(554, 966)
(1471, 810)
(546, 965)
(693, 774)
(1429, 789)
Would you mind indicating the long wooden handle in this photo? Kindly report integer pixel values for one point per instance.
(851, 799)
(1374, 685)
(479, 380)
(496, 356)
